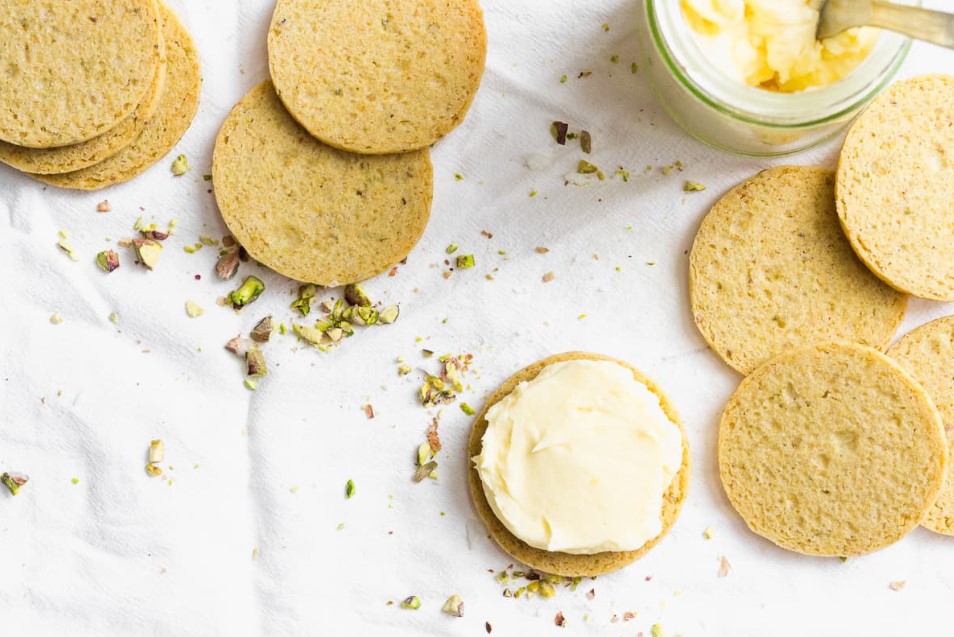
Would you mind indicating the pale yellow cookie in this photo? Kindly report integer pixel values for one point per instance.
(566, 564)
(928, 353)
(307, 210)
(70, 71)
(895, 186)
(832, 450)
(177, 108)
(379, 76)
(770, 269)
(64, 159)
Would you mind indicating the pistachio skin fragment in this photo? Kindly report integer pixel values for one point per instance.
(108, 261)
(227, 264)
(251, 288)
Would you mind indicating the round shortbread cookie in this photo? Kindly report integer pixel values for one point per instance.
(177, 107)
(895, 186)
(381, 76)
(928, 354)
(831, 450)
(770, 269)
(64, 159)
(566, 564)
(73, 70)
(309, 211)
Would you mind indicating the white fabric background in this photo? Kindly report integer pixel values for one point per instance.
(122, 554)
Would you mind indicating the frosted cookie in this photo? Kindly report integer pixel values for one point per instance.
(64, 159)
(771, 269)
(377, 77)
(309, 211)
(578, 465)
(928, 353)
(177, 108)
(831, 450)
(73, 70)
(895, 186)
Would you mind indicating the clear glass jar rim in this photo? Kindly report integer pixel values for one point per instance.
(768, 108)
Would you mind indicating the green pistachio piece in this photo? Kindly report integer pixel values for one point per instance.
(255, 362)
(251, 288)
(411, 603)
(180, 166)
(157, 451)
(306, 293)
(425, 471)
(311, 335)
(451, 249)
(148, 252)
(693, 186)
(467, 409)
(262, 331)
(107, 260)
(454, 606)
(349, 489)
(586, 168)
(546, 589)
(228, 262)
(14, 481)
(465, 261)
(423, 454)
(389, 314)
(404, 370)
(355, 295)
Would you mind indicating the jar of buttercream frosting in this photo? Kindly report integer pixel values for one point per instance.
(748, 76)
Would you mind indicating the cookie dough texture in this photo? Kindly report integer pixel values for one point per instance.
(895, 186)
(378, 76)
(176, 110)
(311, 212)
(928, 354)
(566, 564)
(70, 71)
(64, 159)
(831, 450)
(770, 269)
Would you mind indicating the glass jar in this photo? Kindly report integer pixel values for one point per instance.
(728, 114)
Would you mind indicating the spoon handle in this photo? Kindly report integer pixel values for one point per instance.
(921, 24)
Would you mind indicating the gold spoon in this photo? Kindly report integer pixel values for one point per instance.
(836, 16)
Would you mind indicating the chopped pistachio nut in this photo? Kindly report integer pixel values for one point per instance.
(586, 168)
(559, 130)
(898, 585)
(107, 260)
(454, 606)
(238, 345)
(250, 384)
(634, 68)
(193, 309)
(153, 470)
(424, 453)
(693, 186)
(425, 471)
(404, 370)
(148, 252)
(114, 318)
(262, 331)
(546, 589)
(228, 262)
(103, 206)
(389, 314)
(606, 26)
(656, 630)
(559, 619)
(14, 481)
(251, 288)
(56, 319)
(451, 249)
(724, 566)
(255, 362)
(181, 166)
(355, 295)
(66, 247)
(411, 603)
(549, 276)
(534, 193)
(586, 142)
(157, 451)
(458, 177)
(306, 294)
(349, 489)
(465, 261)
(614, 59)
(624, 174)
(563, 79)
(707, 534)
(311, 335)
(207, 241)
(467, 409)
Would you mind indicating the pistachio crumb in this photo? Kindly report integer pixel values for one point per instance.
(606, 26)
(13, 481)
(250, 384)
(693, 186)
(148, 252)
(586, 142)
(369, 411)
(56, 319)
(707, 534)
(559, 131)
(624, 174)
(563, 79)
(74, 480)
(355, 295)
(897, 585)
(107, 260)
(724, 566)
(634, 68)
(656, 630)
(157, 451)
(349, 489)
(614, 59)
(262, 331)
(465, 261)
(193, 309)
(467, 409)
(586, 168)
(228, 262)
(411, 603)
(255, 362)
(114, 318)
(181, 166)
(454, 606)
(560, 620)
(541, 250)
(251, 288)
(534, 193)
(549, 276)
(451, 249)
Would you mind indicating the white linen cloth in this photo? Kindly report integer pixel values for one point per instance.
(119, 553)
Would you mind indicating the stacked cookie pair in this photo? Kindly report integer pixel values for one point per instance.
(93, 92)
(799, 278)
(323, 173)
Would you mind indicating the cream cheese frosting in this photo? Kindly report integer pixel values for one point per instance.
(771, 43)
(578, 459)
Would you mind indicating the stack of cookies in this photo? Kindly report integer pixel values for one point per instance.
(323, 173)
(93, 92)
(799, 279)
